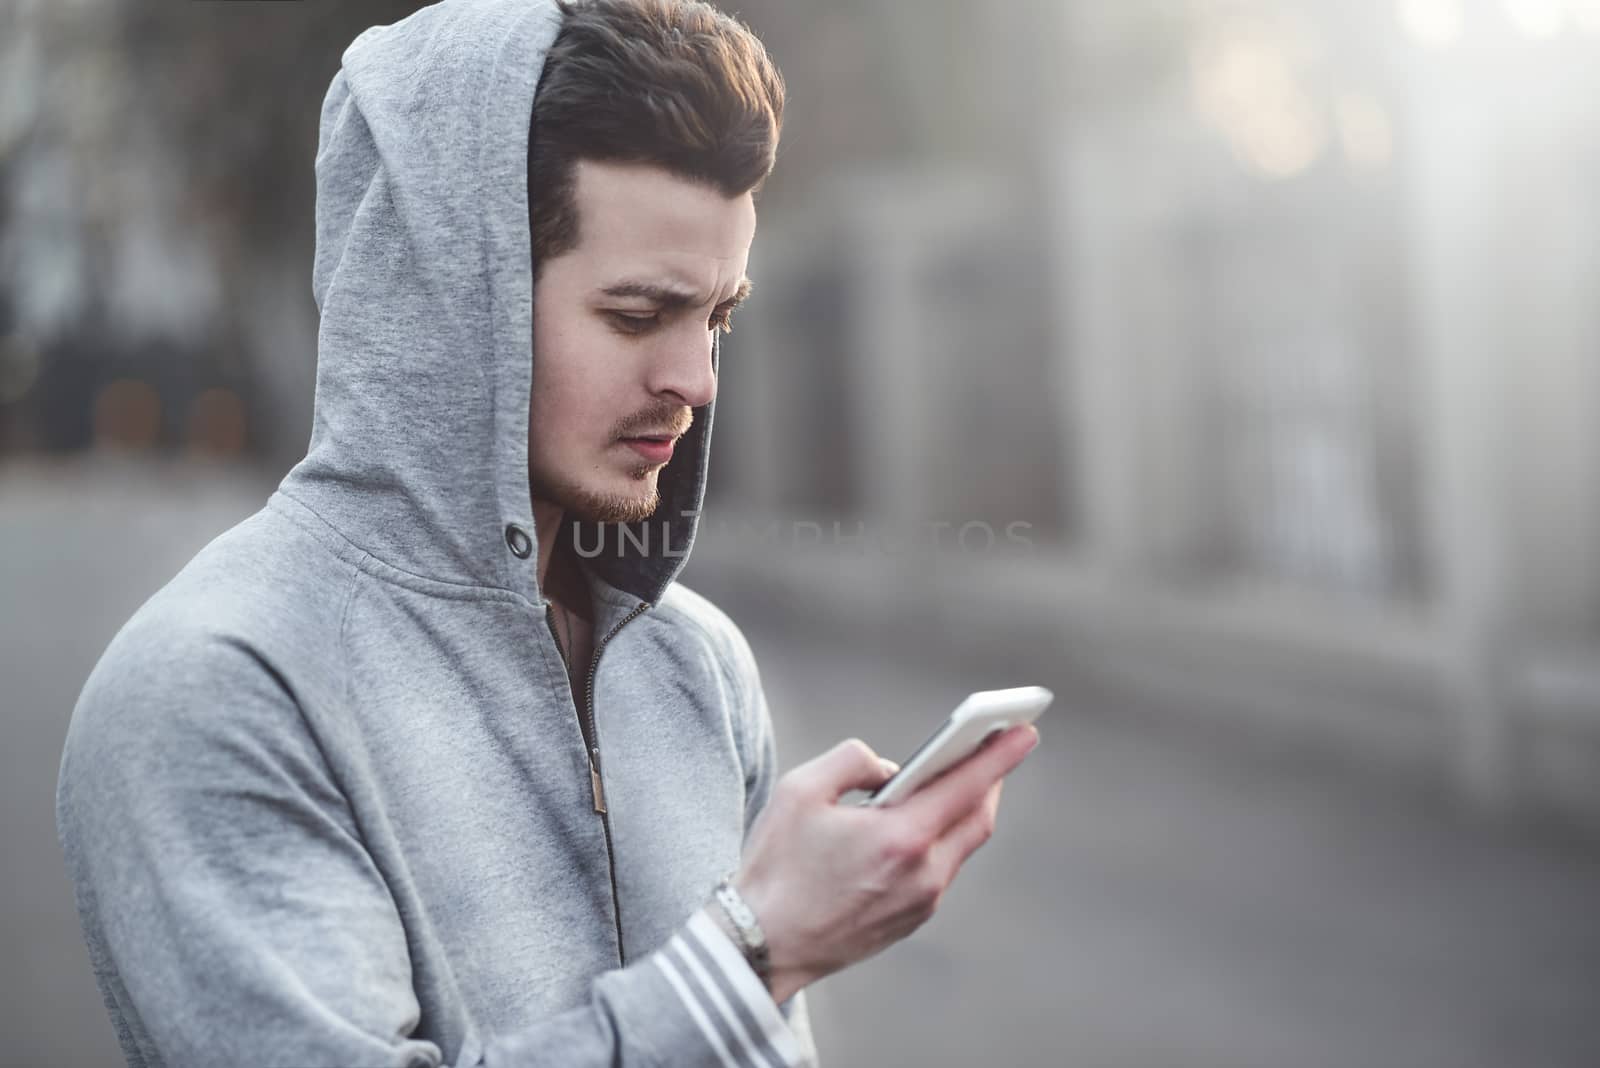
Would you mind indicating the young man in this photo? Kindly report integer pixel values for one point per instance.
(431, 761)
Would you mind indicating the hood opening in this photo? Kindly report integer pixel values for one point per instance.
(423, 275)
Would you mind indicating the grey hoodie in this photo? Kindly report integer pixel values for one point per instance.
(326, 799)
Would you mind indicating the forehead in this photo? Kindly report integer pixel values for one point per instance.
(636, 220)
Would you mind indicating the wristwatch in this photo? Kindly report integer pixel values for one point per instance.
(752, 942)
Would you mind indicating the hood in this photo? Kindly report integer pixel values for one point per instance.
(424, 279)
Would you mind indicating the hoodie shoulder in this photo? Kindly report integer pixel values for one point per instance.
(684, 607)
(202, 696)
(255, 616)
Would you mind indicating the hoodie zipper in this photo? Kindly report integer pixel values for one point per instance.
(597, 788)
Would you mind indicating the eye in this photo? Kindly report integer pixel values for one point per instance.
(722, 319)
(632, 323)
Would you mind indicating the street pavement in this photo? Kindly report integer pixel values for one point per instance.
(1160, 897)
(1158, 894)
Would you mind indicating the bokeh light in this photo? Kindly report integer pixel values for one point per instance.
(127, 415)
(216, 423)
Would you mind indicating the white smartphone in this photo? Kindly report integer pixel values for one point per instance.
(980, 715)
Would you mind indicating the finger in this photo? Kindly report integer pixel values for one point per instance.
(969, 833)
(850, 765)
(949, 798)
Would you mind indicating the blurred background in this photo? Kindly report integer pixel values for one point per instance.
(1228, 366)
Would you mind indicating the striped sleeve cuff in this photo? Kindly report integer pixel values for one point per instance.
(727, 1001)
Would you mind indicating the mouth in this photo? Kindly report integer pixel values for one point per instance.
(657, 448)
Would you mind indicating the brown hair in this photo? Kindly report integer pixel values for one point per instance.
(674, 83)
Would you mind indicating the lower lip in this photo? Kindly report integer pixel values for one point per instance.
(658, 452)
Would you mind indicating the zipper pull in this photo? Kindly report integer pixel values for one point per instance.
(594, 782)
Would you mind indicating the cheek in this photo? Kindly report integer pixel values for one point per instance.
(575, 366)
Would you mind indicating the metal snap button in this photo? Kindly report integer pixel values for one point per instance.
(517, 538)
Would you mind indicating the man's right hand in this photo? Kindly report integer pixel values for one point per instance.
(833, 884)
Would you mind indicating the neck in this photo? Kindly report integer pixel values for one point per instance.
(546, 525)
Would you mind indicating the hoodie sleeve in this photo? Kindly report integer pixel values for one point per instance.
(761, 763)
(233, 915)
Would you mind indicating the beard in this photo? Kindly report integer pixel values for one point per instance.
(583, 503)
(595, 507)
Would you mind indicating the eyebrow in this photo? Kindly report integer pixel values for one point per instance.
(671, 297)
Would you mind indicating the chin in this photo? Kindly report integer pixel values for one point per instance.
(630, 503)
(626, 494)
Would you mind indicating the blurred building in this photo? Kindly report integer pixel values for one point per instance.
(1282, 345)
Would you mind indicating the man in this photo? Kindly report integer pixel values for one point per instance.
(431, 761)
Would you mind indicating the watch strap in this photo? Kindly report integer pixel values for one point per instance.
(752, 941)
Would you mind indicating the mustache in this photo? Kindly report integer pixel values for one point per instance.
(669, 419)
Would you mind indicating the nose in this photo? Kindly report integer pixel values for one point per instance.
(682, 369)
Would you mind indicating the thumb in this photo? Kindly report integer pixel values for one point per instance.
(850, 765)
